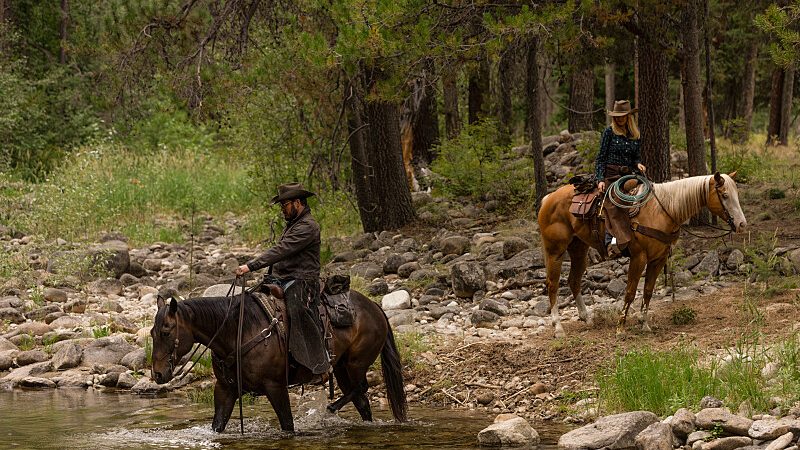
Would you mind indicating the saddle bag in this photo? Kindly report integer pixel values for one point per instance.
(336, 297)
(584, 206)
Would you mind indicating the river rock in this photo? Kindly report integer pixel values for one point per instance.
(781, 442)
(393, 262)
(220, 290)
(21, 373)
(72, 379)
(696, 436)
(67, 322)
(126, 381)
(454, 245)
(41, 313)
(730, 423)
(513, 246)
(147, 386)
(614, 432)
(521, 262)
(794, 258)
(54, 295)
(106, 286)
(407, 269)
(710, 402)
(481, 318)
(735, 259)
(27, 357)
(378, 287)
(77, 306)
(709, 265)
(367, 270)
(771, 428)
(657, 436)
(7, 359)
(33, 329)
(616, 287)
(512, 432)
(494, 306)
(467, 278)
(135, 360)
(67, 356)
(683, 423)
(728, 443)
(106, 351)
(10, 301)
(396, 300)
(37, 383)
(5, 344)
(113, 255)
(402, 317)
(11, 315)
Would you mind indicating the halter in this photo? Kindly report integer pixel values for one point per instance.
(728, 218)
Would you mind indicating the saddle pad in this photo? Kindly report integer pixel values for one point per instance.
(273, 308)
(584, 205)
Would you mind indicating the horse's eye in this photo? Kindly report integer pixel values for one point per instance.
(724, 195)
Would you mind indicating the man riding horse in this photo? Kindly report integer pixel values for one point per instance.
(295, 266)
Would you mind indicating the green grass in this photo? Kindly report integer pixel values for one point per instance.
(27, 342)
(101, 331)
(205, 396)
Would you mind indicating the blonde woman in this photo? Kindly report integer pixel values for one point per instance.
(620, 154)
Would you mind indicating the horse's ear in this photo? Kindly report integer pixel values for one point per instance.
(732, 175)
(173, 306)
(160, 302)
(718, 179)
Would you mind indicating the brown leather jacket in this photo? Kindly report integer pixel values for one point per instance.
(296, 255)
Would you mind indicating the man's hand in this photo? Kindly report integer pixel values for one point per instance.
(241, 270)
(641, 167)
(602, 186)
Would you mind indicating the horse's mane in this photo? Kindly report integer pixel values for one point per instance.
(211, 310)
(683, 198)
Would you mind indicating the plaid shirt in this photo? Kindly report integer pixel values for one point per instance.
(617, 150)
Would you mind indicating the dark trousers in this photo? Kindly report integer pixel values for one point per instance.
(306, 335)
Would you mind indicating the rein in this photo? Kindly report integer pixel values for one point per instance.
(681, 227)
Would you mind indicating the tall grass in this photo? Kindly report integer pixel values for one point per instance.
(663, 381)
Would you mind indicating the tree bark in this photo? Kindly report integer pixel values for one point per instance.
(506, 78)
(581, 99)
(775, 106)
(636, 75)
(426, 125)
(748, 92)
(64, 30)
(654, 110)
(533, 101)
(452, 118)
(384, 200)
(692, 91)
(610, 88)
(786, 106)
(478, 90)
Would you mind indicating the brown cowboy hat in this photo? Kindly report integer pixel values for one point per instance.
(622, 108)
(291, 191)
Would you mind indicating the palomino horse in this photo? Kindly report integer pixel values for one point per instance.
(179, 325)
(675, 202)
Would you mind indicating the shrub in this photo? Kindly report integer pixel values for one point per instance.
(683, 316)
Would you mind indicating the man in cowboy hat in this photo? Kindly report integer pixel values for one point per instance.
(295, 262)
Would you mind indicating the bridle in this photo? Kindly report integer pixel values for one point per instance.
(728, 218)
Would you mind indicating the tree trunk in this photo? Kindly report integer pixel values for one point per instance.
(506, 78)
(748, 92)
(478, 90)
(636, 71)
(581, 100)
(610, 94)
(533, 101)
(654, 110)
(426, 125)
(384, 200)
(786, 106)
(775, 106)
(452, 119)
(3, 6)
(681, 110)
(64, 24)
(692, 91)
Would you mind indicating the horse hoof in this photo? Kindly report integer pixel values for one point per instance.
(646, 328)
(331, 409)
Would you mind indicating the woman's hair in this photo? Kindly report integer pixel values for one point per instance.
(630, 130)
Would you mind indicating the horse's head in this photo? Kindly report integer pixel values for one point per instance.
(171, 340)
(723, 201)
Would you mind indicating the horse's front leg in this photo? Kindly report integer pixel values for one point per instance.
(224, 399)
(650, 278)
(635, 269)
(278, 396)
(577, 266)
(553, 264)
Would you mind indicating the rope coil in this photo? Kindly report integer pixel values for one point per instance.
(621, 199)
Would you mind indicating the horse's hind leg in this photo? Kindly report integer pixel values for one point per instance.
(343, 379)
(578, 251)
(278, 396)
(651, 276)
(635, 269)
(554, 254)
(224, 399)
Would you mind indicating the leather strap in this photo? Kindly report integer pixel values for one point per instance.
(666, 238)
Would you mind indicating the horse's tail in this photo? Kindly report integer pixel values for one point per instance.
(392, 370)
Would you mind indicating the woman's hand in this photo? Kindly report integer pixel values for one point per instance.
(641, 167)
(241, 270)
(602, 186)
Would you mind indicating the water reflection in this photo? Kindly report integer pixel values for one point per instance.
(81, 419)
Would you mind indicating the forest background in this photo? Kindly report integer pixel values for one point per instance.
(115, 115)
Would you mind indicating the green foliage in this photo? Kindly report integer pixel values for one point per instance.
(101, 331)
(203, 366)
(474, 165)
(148, 351)
(683, 316)
(776, 193)
(27, 342)
(780, 23)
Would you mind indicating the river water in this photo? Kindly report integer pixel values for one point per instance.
(81, 419)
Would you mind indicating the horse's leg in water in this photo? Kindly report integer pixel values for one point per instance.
(224, 399)
(554, 254)
(343, 379)
(635, 269)
(578, 251)
(651, 276)
(278, 396)
(358, 376)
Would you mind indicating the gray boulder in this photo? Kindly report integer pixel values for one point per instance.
(794, 258)
(728, 443)
(467, 278)
(7, 359)
(113, 255)
(134, 360)
(41, 313)
(72, 379)
(615, 432)
(10, 301)
(221, 290)
(481, 318)
(106, 351)
(455, 245)
(781, 442)
(708, 265)
(520, 263)
(494, 306)
(514, 245)
(11, 315)
(683, 423)
(405, 270)
(5, 344)
(767, 429)
(735, 259)
(512, 432)
(730, 423)
(54, 295)
(393, 262)
(396, 300)
(31, 357)
(366, 270)
(657, 436)
(68, 356)
(37, 383)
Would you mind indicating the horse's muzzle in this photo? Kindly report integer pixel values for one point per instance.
(741, 226)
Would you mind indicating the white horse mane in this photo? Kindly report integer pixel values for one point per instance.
(684, 198)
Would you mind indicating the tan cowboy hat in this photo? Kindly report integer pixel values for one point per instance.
(622, 108)
(291, 191)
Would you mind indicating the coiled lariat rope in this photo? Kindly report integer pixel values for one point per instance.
(621, 199)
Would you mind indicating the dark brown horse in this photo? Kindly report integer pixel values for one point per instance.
(674, 203)
(179, 325)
